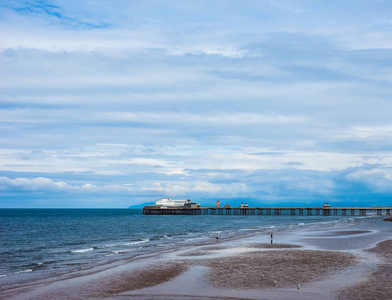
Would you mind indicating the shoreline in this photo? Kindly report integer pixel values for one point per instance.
(230, 268)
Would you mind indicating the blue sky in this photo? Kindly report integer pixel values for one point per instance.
(118, 103)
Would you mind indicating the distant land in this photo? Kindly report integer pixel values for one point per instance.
(141, 205)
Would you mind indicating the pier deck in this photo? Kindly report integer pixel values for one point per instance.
(301, 211)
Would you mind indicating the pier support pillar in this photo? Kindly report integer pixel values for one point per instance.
(260, 211)
(268, 211)
(362, 212)
(378, 212)
(301, 211)
(309, 211)
(388, 212)
(292, 211)
(344, 212)
(353, 212)
(317, 211)
(335, 212)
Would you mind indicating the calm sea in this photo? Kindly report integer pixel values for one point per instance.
(37, 243)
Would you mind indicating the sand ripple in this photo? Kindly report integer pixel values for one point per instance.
(261, 269)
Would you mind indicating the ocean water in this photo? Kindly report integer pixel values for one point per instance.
(38, 243)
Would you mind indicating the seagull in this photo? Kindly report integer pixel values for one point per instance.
(298, 287)
(274, 282)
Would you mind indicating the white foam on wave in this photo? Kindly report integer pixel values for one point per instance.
(126, 244)
(102, 261)
(24, 271)
(165, 245)
(188, 240)
(166, 237)
(122, 251)
(301, 224)
(139, 242)
(82, 250)
(247, 229)
(215, 232)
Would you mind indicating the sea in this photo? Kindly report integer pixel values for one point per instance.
(42, 243)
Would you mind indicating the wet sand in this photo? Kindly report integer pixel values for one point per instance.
(350, 232)
(379, 284)
(326, 263)
(107, 285)
(274, 269)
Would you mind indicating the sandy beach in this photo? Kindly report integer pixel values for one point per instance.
(350, 261)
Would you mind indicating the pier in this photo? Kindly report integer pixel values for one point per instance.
(261, 211)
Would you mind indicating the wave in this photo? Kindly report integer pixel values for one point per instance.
(126, 244)
(24, 271)
(215, 232)
(122, 251)
(82, 250)
(251, 229)
(102, 261)
(139, 242)
(188, 240)
(40, 265)
(16, 273)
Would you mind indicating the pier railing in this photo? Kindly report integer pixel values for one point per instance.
(301, 211)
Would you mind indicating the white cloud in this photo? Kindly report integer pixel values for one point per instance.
(46, 185)
(174, 188)
(33, 185)
(191, 188)
(370, 131)
(378, 179)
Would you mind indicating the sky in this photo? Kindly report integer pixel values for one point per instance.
(111, 104)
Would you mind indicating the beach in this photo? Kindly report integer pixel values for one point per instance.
(342, 261)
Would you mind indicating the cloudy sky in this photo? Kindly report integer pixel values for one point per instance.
(118, 103)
